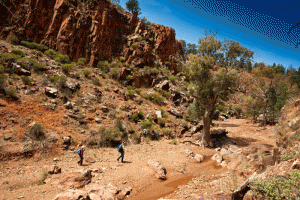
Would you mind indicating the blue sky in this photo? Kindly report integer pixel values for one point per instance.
(261, 26)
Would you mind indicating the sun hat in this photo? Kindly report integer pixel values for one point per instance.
(83, 146)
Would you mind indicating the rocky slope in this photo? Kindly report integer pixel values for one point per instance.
(96, 33)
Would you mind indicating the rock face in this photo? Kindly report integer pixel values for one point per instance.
(160, 171)
(95, 32)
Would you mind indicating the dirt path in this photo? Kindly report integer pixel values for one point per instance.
(186, 179)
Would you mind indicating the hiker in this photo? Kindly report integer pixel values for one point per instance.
(80, 153)
(121, 150)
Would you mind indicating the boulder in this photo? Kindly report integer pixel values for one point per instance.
(51, 92)
(197, 128)
(189, 153)
(158, 114)
(72, 194)
(199, 158)
(56, 170)
(90, 160)
(73, 86)
(105, 109)
(159, 170)
(175, 112)
(68, 105)
(217, 157)
(296, 165)
(71, 180)
(20, 70)
(164, 85)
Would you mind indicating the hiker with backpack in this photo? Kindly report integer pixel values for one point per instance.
(80, 153)
(121, 150)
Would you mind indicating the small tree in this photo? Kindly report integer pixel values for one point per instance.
(209, 84)
(133, 6)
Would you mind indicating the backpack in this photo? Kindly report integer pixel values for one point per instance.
(78, 152)
(120, 148)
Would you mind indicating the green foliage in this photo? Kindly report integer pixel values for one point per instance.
(96, 81)
(27, 44)
(161, 121)
(14, 76)
(36, 131)
(135, 137)
(134, 45)
(6, 57)
(167, 63)
(14, 40)
(3, 78)
(220, 108)
(61, 81)
(51, 53)
(66, 68)
(166, 94)
(123, 108)
(86, 72)
(2, 69)
(136, 116)
(167, 132)
(131, 93)
(104, 66)
(122, 59)
(173, 78)
(61, 58)
(26, 80)
(138, 90)
(151, 118)
(147, 139)
(18, 52)
(155, 98)
(129, 87)
(12, 92)
(194, 112)
(174, 142)
(10, 81)
(146, 124)
(37, 66)
(133, 6)
(33, 45)
(81, 61)
(42, 178)
(277, 188)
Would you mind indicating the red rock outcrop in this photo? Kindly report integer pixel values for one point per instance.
(95, 34)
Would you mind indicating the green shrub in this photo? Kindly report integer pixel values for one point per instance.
(60, 81)
(18, 52)
(173, 78)
(96, 81)
(135, 137)
(138, 90)
(122, 59)
(277, 187)
(104, 66)
(128, 77)
(155, 98)
(6, 57)
(37, 66)
(14, 76)
(2, 69)
(77, 75)
(220, 108)
(136, 116)
(54, 79)
(131, 93)
(167, 63)
(167, 132)
(146, 124)
(81, 61)
(166, 94)
(51, 53)
(42, 47)
(3, 78)
(62, 58)
(174, 142)
(36, 131)
(114, 64)
(66, 68)
(27, 44)
(26, 80)
(86, 72)
(12, 92)
(10, 81)
(123, 108)
(129, 87)
(134, 45)
(161, 121)
(147, 139)
(140, 38)
(42, 178)
(151, 118)
(14, 40)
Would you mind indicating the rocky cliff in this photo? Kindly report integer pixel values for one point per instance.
(97, 32)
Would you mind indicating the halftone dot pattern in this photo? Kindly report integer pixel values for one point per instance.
(275, 29)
